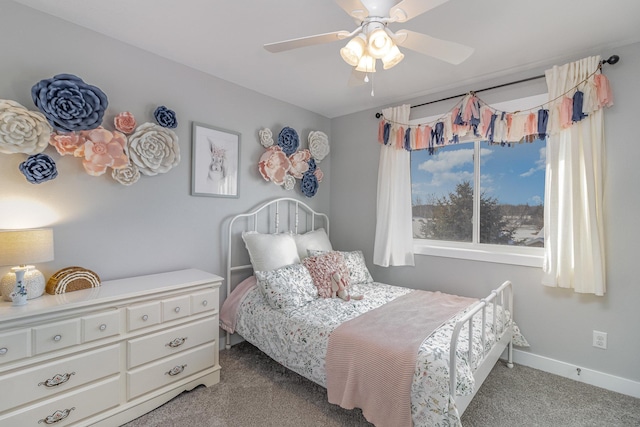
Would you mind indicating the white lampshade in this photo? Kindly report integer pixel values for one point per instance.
(379, 43)
(392, 58)
(367, 64)
(21, 247)
(354, 50)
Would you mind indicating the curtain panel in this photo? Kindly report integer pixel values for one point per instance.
(574, 234)
(394, 235)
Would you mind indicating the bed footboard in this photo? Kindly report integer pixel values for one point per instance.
(501, 299)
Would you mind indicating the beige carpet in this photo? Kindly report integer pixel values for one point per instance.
(256, 391)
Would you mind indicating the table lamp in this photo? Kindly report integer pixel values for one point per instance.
(19, 248)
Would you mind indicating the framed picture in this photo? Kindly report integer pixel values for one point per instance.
(215, 161)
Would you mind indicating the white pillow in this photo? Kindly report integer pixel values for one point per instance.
(316, 240)
(270, 251)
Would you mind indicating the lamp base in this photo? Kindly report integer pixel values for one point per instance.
(33, 281)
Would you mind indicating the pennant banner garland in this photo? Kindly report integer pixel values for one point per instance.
(472, 119)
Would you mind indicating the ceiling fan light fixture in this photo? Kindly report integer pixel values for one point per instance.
(392, 58)
(367, 64)
(354, 50)
(379, 43)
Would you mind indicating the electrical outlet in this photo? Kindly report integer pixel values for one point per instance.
(600, 339)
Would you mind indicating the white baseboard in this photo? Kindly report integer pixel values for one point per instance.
(577, 373)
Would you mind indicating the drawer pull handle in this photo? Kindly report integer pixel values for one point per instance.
(145, 318)
(103, 327)
(3, 351)
(176, 370)
(57, 337)
(177, 310)
(205, 303)
(56, 416)
(176, 342)
(57, 380)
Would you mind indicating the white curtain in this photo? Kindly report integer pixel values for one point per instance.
(573, 223)
(394, 235)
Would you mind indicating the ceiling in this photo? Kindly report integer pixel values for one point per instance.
(225, 38)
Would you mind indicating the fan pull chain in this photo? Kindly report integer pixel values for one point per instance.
(372, 94)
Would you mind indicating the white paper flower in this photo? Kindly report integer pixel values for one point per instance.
(318, 145)
(21, 130)
(289, 182)
(153, 149)
(266, 137)
(127, 175)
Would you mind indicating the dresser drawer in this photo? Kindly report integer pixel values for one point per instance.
(50, 379)
(175, 308)
(166, 371)
(101, 325)
(70, 408)
(56, 336)
(143, 315)
(165, 343)
(14, 346)
(204, 301)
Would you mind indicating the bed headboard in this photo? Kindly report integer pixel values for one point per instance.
(274, 216)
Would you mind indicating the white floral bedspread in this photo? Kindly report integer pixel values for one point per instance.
(298, 337)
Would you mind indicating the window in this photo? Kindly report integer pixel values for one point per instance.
(479, 201)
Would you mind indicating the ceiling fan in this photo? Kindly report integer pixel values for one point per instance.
(373, 40)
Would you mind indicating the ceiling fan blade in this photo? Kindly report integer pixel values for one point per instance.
(408, 9)
(354, 8)
(356, 78)
(306, 41)
(451, 52)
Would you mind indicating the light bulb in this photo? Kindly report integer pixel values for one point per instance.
(379, 43)
(367, 64)
(353, 50)
(392, 58)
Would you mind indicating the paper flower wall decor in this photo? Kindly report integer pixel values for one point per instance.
(318, 145)
(153, 149)
(125, 122)
(283, 164)
(70, 104)
(39, 168)
(165, 117)
(70, 120)
(21, 130)
(266, 137)
(288, 140)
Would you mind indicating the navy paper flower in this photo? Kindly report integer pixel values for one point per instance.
(69, 104)
(39, 168)
(288, 140)
(165, 117)
(312, 165)
(309, 184)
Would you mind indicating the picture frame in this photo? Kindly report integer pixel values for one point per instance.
(215, 161)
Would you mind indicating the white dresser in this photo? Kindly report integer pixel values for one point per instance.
(107, 355)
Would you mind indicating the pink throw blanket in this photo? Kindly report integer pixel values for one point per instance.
(371, 359)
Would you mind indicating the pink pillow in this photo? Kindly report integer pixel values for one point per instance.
(321, 267)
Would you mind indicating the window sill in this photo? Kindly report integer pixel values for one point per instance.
(527, 257)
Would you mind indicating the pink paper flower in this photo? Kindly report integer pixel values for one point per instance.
(125, 122)
(319, 175)
(274, 164)
(103, 149)
(299, 163)
(68, 143)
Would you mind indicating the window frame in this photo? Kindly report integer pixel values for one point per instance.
(475, 251)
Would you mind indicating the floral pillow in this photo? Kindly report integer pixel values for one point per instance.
(321, 267)
(286, 287)
(358, 272)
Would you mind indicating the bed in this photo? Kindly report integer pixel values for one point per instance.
(300, 332)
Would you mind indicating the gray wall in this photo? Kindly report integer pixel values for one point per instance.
(154, 225)
(558, 323)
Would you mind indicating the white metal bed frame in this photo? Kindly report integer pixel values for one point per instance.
(501, 297)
